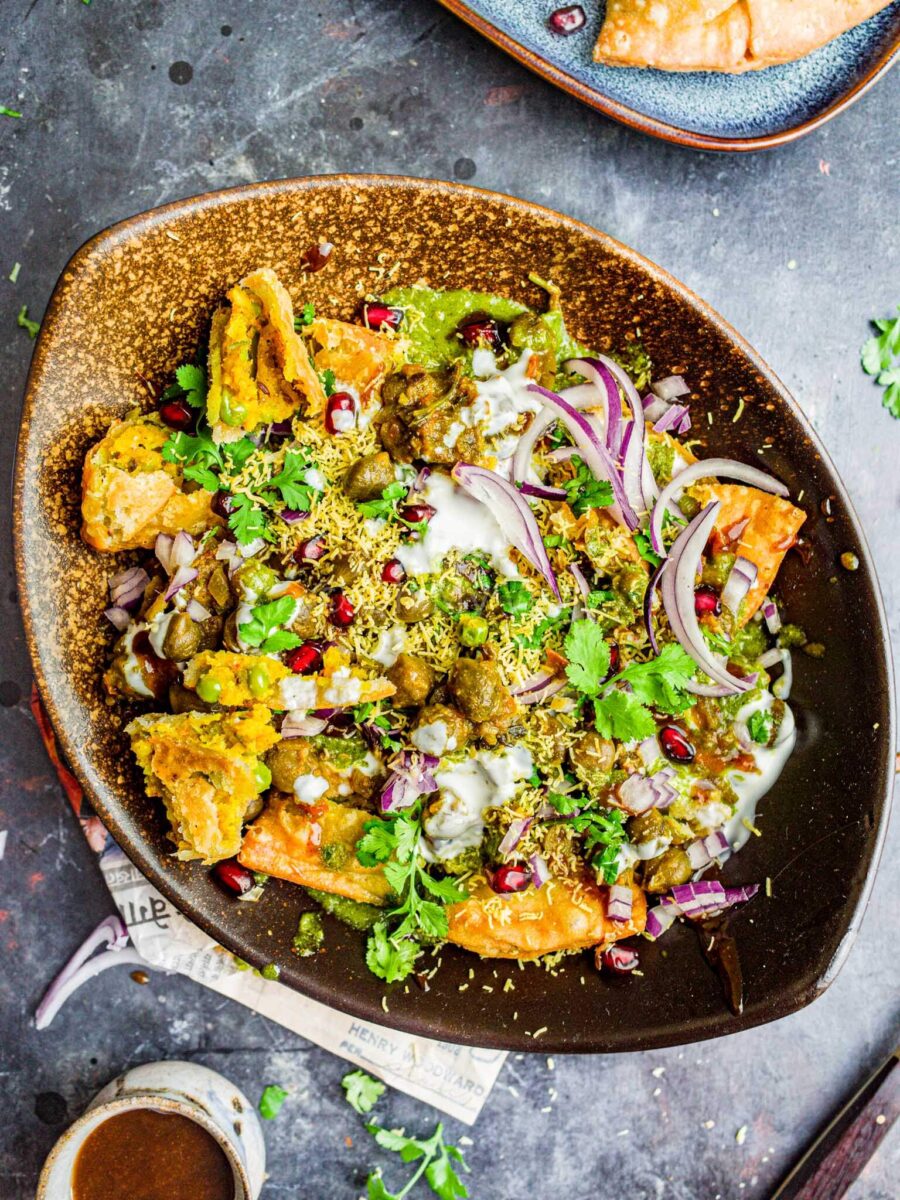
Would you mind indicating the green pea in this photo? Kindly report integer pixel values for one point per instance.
(258, 680)
(473, 630)
(209, 689)
(231, 411)
(262, 776)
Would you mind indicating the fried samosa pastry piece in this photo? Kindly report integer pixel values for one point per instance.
(722, 35)
(207, 769)
(561, 915)
(359, 357)
(130, 494)
(314, 845)
(259, 368)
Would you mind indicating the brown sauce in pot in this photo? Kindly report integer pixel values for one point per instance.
(147, 1155)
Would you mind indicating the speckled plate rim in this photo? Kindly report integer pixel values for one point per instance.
(687, 1030)
(643, 122)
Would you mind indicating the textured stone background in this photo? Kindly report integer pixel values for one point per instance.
(130, 103)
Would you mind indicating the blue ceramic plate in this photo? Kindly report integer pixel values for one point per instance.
(705, 109)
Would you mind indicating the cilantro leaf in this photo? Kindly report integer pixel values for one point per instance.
(620, 715)
(22, 319)
(584, 491)
(9, 112)
(536, 639)
(604, 835)
(565, 803)
(446, 889)
(588, 656)
(385, 508)
(260, 630)
(363, 1092)
(880, 356)
(247, 522)
(388, 959)
(306, 316)
(645, 549)
(515, 597)
(661, 681)
(327, 380)
(291, 483)
(271, 1101)
(377, 843)
(192, 382)
(436, 1161)
(760, 727)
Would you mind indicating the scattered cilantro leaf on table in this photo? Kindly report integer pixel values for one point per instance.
(437, 1160)
(262, 628)
(23, 322)
(271, 1101)
(9, 112)
(363, 1092)
(880, 357)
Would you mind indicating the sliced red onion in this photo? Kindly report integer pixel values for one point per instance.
(534, 683)
(771, 616)
(291, 516)
(418, 484)
(162, 548)
(537, 695)
(648, 605)
(709, 468)
(707, 898)
(660, 918)
(412, 776)
(678, 582)
(733, 532)
(741, 579)
(512, 513)
(580, 610)
(182, 576)
(676, 419)
(539, 492)
(197, 611)
(562, 453)
(670, 388)
(183, 552)
(279, 429)
(596, 456)
(298, 724)
(517, 830)
(120, 617)
(540, 872)
(598, 371)
(112, 934)
(649, 751)
(620, 904)
(127, 588)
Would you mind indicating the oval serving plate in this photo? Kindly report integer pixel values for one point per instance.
(703, 109)
(134, 301)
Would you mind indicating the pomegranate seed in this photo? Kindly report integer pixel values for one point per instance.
(310, 550)
(706, 600)
(568, 19)
(315, 258)
(340, 414)
(223, 504)
(305, 659)
(233, 876)
(393, 571)
(177, 414)
(481, 331)
(510, 878)
(379, 316)
(414, 513)
(342, 611)
(621, 960)
(675, 745)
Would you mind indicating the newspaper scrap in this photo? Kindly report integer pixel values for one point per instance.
(455, 1079)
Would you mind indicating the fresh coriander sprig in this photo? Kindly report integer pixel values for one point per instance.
(262, 630)
(603, 830)
(438, 1162)
(584, 491)
(881, 358)
(189, 385)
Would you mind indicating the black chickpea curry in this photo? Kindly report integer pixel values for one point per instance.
(438, 615)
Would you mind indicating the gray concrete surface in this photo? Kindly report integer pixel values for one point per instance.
(796, 247)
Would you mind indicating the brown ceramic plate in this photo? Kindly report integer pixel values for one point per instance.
(134, 301)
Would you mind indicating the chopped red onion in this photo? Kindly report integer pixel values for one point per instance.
(702, 851)
(120, 617)
(412, 776)
(678, 582)
(771, 616)
(620, 904)
(741, 579)
(670, 388)
(513, 515)
(636, 795)
(127, 588)
(540, 872)
(182, 553)
(660, 918)
(676, 419)
(162, 548)
(709, 468)
(707, 898)
(298, 724)
(596, 456)
(112, 934)
(518, 827)
(291, 516)
(182, 576)
(197, 611)
(733, 532)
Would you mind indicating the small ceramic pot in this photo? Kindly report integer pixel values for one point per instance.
(184, 1088)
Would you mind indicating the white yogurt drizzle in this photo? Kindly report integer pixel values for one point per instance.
(487, 779)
